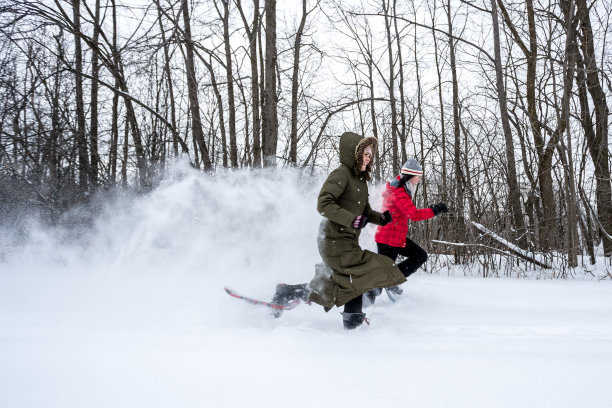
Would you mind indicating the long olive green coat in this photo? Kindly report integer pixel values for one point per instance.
(343, 197)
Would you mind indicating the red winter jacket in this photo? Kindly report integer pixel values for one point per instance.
(399, 204)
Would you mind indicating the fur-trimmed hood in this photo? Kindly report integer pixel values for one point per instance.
(352, 147)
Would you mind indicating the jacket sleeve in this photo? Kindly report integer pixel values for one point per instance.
(373, 216)
(404, 204)
(327, 203)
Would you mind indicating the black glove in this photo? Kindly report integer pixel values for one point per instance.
(385, 218)
(359, 222)
(439, 208)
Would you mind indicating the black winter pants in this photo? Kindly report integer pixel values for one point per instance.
(414, 254)
(354, 305)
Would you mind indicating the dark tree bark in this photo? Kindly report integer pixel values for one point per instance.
(252, 35)
(113, 151)
(169, 83)
(548, 221)
(233, 148)
(394, 148)
(598, 140)
(459, 178)
(81, 140)
(94, 159)
(441, 107)
(295, 85)
(514, 197)
(270, 113)
(192, 87)
(402, 99)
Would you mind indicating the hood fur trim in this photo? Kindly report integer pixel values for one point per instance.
(363, 144)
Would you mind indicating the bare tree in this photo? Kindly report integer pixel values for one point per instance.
(80, 104)
(270, 113)
(192, 86)
(598, 140)
(169, 82)
(459, 178)
(225, 15)
(252, 33)
(514, 197)
(295, 84)
(94, 159)
(391, 85)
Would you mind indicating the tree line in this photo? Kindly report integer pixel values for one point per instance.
(504, 102)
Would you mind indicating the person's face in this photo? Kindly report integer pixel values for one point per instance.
(415, 180)
(367, 157)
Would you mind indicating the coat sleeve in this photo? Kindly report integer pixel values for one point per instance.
(327, 203)
(373, 216)
(404, 204)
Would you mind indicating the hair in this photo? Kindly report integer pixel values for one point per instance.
(404, 179)
(361, 146)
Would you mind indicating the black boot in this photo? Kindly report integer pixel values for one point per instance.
(287, 293)
(353, 320)
(395, 290)
(370, 296)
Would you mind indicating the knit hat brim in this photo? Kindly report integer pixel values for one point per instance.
(411, 172)
(412, 167)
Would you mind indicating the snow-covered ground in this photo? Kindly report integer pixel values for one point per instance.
(132, 313)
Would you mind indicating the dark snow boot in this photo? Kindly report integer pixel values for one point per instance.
(395, 290)
(353, 320)
(286, 293)
(370, 296)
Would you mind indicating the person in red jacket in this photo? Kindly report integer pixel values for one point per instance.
(392, 239)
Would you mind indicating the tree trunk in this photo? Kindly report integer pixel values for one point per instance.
(597, 142)
(93, 131)
(192, 88)
(113, 151)
(421, 153)
(230, 86)
(459, 179)
(217, 92)
(514, 191)
(252, 35)
(126, 133)
(81, 140)
(295, 85)
(169, 83)
(441, 102)
(370, 63)
(270, 114)
(55, 117)
(402, 100)
(548, 221)
(566, 151)
(395, 159)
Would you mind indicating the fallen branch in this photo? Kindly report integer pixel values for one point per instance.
(511, 247)
(461, 244)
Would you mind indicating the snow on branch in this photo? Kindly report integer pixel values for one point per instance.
(521, 253)
(512, 250)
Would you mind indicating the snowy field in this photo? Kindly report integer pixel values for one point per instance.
(132, 313)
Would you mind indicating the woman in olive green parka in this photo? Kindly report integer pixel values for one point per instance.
(348, 271)
(344, 202)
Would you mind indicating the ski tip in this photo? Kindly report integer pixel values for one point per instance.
(231, 292)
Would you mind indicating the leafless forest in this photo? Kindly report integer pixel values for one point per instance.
(505, 102)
